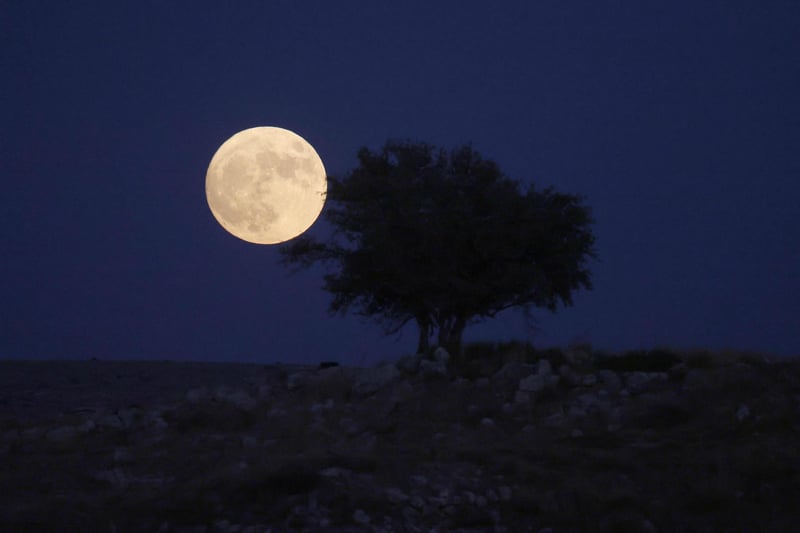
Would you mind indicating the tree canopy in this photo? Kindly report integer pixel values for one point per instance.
(444, 238)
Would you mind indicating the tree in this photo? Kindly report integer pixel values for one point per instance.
(445, 239)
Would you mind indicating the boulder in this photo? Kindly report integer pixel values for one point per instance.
(441, 355)
(578, 356)
(235, 397)
(610, 379)
(511, 371)
(432, 369)
(638, 382)
(370, 380)
(541, 380)
(409, 364)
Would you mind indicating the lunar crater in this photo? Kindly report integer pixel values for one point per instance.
(266, 185)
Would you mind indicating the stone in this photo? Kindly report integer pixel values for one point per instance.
(487, 423)
(115, 476)
(577, 356)
(131, 416)
(296, 380)
(122, 455)
(588, 380)
(504, 492)
(742, 413)
(522, 396)
(236, 397)
(429, 370)
(409, 364)
(536, 383)
(62, 434)
(510, 371)
(440, 355)
(610, 380)
(396, 495)
(361, 517)
(197, 395)
(678, 372)
(638, 382)
(568, 375)
(87, 426)
(544, 367)
(370, 380)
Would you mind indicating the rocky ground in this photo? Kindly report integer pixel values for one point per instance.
(547, 442)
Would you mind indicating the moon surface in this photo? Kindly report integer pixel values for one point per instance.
(266, 185)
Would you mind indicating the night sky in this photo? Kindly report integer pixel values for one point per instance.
(680, 124)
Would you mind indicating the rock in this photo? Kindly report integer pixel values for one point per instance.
(510, 371)
(249, 442)
(556, 419)
(638, 382)
(544, 367)
(568, 375)
(429, 370)
(417, 502)
(504, 492)
(522, 396)
(350, 426)
(697, 379)
(440, 355)
(197, 395)
(116, 476)
(110, 420)
(132, 416)
(236, 397)
(536, 383)
(409, 364)
(297, 380)
(62, 434)
(577, 356)
(742, 413)
(11, 436)
(678, 372)
(370, 380)
(487, 422)
(395, 495)
(87, 426)
(610, 380)
(576, 411)
(360, 517)
(32, 433)
(588, 380)
(264, 391)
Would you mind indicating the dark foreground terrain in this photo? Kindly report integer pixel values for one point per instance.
(556, 441)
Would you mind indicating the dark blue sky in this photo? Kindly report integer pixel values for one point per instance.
(679, 123)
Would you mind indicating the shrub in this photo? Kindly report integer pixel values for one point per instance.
(657, 360)
(700, 359)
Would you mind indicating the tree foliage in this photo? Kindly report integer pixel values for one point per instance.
(445, 239)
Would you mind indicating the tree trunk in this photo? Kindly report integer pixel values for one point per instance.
(424, 337)
(450, 333)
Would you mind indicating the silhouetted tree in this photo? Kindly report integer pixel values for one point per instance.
(445, 239)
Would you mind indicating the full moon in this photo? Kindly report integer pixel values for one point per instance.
(266, 185)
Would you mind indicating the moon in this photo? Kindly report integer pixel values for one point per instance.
(266, 185)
